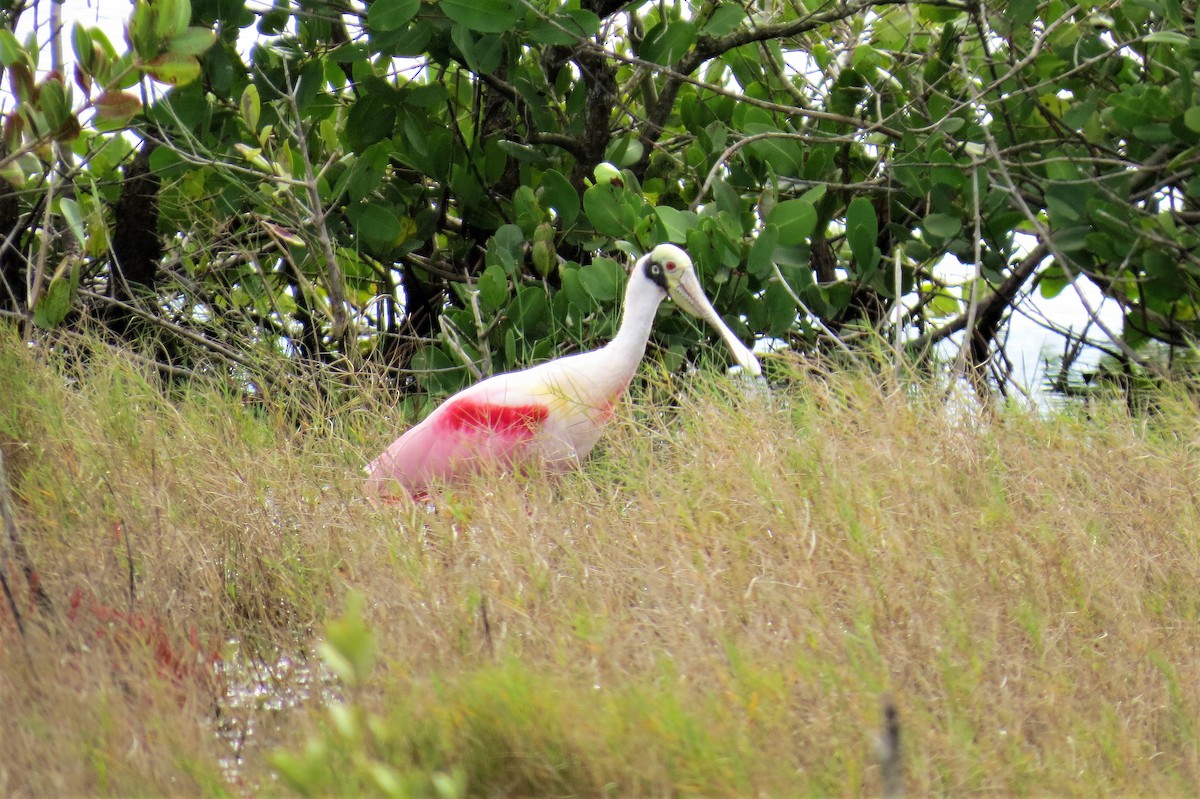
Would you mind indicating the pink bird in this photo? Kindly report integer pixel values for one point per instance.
(551, 413)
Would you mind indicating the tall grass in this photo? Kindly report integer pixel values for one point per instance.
(715, 605)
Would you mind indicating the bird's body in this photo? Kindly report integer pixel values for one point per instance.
(552, 413)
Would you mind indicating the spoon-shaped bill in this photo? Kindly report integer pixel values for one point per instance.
(689, 296)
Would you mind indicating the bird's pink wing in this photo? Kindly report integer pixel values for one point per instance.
(473, 429)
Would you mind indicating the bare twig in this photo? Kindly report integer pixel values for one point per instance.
(481, 332)
(13, 549)
(1044, 235)
(994, 303)
(729, 152)
(450, 335)
(969, 349)
(213, 346)
(33, 289)
(9, 542)
(132, 585)
(891, 764)
(487, 624)
(816, 320)
(342, 322)
(898, 331)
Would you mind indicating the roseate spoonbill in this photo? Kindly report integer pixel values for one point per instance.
(552, 412)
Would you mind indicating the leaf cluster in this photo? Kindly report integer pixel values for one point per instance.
(450, 188)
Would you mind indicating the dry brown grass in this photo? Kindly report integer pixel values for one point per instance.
(715, 606)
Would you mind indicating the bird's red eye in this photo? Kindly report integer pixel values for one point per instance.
(671, 266)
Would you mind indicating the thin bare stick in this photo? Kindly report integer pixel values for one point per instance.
(10, 538)
(729, 152)
(207, 343)
(487, 624)
(33, 289)
(342, 322)
(450, 334)
(481, 332)
(1044, 235)
(898, 332)
(14, 548)
(891, 765)
(973, 304)
(816, 320)
(128, 545)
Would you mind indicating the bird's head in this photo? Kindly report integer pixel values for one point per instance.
(670, 268)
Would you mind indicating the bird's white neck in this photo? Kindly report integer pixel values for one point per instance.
(622, 355)
(642, 298)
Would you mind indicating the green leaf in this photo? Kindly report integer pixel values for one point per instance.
(545, 257)
(506, 247)
(372, 119)
(1072, 239)
(116, 105)
(728, 200)
(942, 304)
(192, 41)
(485, 16)
(814, 194)
(364, 176)
(577, 296)
(665, 43)
(171, 17)
(568, 26)
(493, 288)
(559, 194)
(529, 311)
(54, 103)
(724, 20)
(862, 231)
(1155, 133)
(388, 780)
(676, 223)
(81, 43)
(1018, 13)
(389, 15)
(482, 55)
(624, 151)
(300, 773)
(273, 21)
(760, 262)
(1173, 38)
(250, 106)
(780, 307)
(411, 41)
(349, 647)
(1052, 281)
(376, 224)
(55, 303)
(510, 346)
(1191, 118)
(1067, 202)
(783, 155)
(606, 209)
(174, 69)
(11, 51)
(795, 219)
(528, 215)
(521, 152)
(943, 226)
(13, 173)
(70, 212)
(436, 372)
(602, 279)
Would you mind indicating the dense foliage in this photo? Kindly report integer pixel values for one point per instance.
(415, 184)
